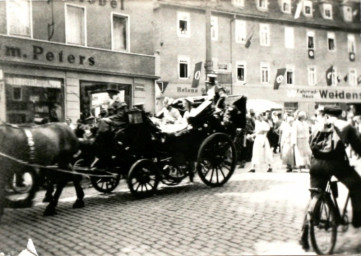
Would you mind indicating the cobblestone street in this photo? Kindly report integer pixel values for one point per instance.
(254, 213)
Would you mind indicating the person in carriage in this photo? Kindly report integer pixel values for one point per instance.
(216, 93)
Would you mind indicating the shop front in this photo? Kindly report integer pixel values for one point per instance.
(42, 81)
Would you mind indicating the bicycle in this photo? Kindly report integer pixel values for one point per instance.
(324, 217)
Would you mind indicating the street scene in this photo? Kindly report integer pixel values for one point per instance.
(167, 127)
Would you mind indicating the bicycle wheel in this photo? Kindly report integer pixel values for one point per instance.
(323, 226)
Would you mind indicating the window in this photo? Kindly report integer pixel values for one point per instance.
(241, 31)
(331, 42)
(311, 75)
(183, 24)
(238, 3)
(286, 6)
(75, 25)
(311, 40)
(264, 34)
(241, 72)
(347, 13)
(351, 43)
(214, 28)
(183, 67)
(120, 29)
(17, 94)
(333, 76)
(352, 77)
(290, 79)
(307, 8)
(19, 17)
(262, 5)
(265, 73)
(289, 38)
(327, 11)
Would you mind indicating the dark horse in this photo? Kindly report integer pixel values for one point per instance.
(48, 144)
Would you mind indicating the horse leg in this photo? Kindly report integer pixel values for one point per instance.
(50, 209)
(79, 203)
(49, 193)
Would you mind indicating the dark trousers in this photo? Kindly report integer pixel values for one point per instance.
(322, 170)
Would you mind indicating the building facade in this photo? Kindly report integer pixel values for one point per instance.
(314, 45)
(60, 59)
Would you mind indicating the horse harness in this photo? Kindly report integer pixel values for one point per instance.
(31, 144)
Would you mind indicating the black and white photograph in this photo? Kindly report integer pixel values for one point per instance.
(180, 127)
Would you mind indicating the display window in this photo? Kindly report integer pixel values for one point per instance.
(34, 100)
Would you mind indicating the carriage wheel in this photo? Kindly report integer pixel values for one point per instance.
(216, 159)
(22, 187)
(173, 175)
(143, 178)
(105, 184)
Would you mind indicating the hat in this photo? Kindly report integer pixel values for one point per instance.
(332, 111)
(115, 91)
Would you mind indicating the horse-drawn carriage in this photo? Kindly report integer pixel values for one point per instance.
(145, 155)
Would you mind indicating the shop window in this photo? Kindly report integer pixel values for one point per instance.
(75, 25)
(289, 38)
(307, 8)
(183, 24)
(331, 42)
(311, 75)
(286, 6)
(327, 11)
(347, 13)
(19, 17)
(291, 106)
(183, 67)
(238, 3)
(265, 70)
(120, 29)
(241, 31)
(262, 5)
(241, 72)
(264, 34)
(352, 77)
(214, 28)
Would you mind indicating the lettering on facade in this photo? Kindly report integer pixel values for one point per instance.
(189, 90)
(39, 53)
(112, 3)
(325, 94)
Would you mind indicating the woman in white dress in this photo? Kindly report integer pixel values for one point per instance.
(300, 140)
(261, 152)
(287, 154)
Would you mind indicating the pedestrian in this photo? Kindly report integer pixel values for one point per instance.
(286, 149)
(261, 152)
(300, 141)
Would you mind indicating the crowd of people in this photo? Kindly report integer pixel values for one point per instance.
(288, 134)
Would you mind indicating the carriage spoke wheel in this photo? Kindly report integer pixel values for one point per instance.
(21, 187)
(105, 184)
(173, 175)
(323, 226)
(216, 160)
(143, 178)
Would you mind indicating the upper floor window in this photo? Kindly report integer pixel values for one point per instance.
(214, 28)
(311, 40)
(238, 3)
(311, 75)
(183, 24)
(347, 13)
(331, 42)
(120, 36)
(286, 6)
(351, 43)
(264, 34)
(290, 80)
(289, 37)
(19, 17)
(327, 11)
(241, 71)
(241, 31)
(307, 8)
(262, 5)
(183, 67)
(75, 25)
(265, 70)
(352, 77)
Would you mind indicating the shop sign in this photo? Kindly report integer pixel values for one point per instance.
(33, 82)
(325, 94)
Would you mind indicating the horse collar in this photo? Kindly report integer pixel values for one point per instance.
(31, 144)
